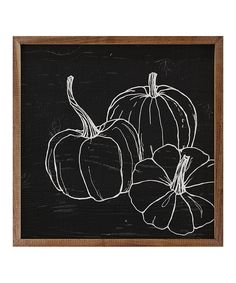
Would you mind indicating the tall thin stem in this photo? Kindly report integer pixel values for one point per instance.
(89, 128)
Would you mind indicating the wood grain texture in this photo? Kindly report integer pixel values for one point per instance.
(16, 143)
(218, 141)
(117, 39)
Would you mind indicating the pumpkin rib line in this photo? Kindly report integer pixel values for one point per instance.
(140, 114)
(131, 200)
(96, 190)
(65, 189)
(54, 158)
(138, 95)
(147, 106)
(101, 134)
(171, 193)
(167, 176)
(199, 184)
(162, 135)
(117, 98)
(50, 150)
(190, 210)
(167, 87)
(167, 226)
(49, 171)
(188, 179)
(131, 157)
(52, 154)
(117, 108)
(177, 125)
(121, 162)
(194, 113)
(121, 175)
(109, 117)
(150, 115)
(151, 180)
(197, 205)
(131, 112)
(192, 218)
(151, 223)
(172, 213)
(130, 109)
(191, 103)
(114, 102)
(198, 227)
(120, 114)
(125, 94)
(153, 220)
(81, 171)
(120, 95)
(192, 195)
(136, 139)
(98, 163)
(186, 116)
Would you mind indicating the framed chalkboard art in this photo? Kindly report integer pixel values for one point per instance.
(118, 141)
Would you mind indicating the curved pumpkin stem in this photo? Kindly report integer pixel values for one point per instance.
(152, 84)
(89, 128)
(178, 182)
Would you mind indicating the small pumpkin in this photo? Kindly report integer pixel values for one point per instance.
(95, 162)
(174, 189)
(161, 114)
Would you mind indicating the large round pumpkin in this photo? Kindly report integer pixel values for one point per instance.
(161, 114)
(95, 162)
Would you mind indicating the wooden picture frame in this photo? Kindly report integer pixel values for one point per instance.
(217, 41)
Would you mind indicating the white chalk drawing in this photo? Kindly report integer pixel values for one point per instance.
(161, 114)
(96, 162)
(174, 189)
(145, 148)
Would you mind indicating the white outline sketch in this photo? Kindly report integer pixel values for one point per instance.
(118, 119)
(180, 187)
(134, 94)
(89, 132)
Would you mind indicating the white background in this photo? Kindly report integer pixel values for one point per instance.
(117, 18)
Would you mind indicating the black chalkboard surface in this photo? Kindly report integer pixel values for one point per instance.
(95, 165)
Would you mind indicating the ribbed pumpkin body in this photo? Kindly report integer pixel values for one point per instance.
(100, 167)
(160, 114)
(174, 189)
(96, 162)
